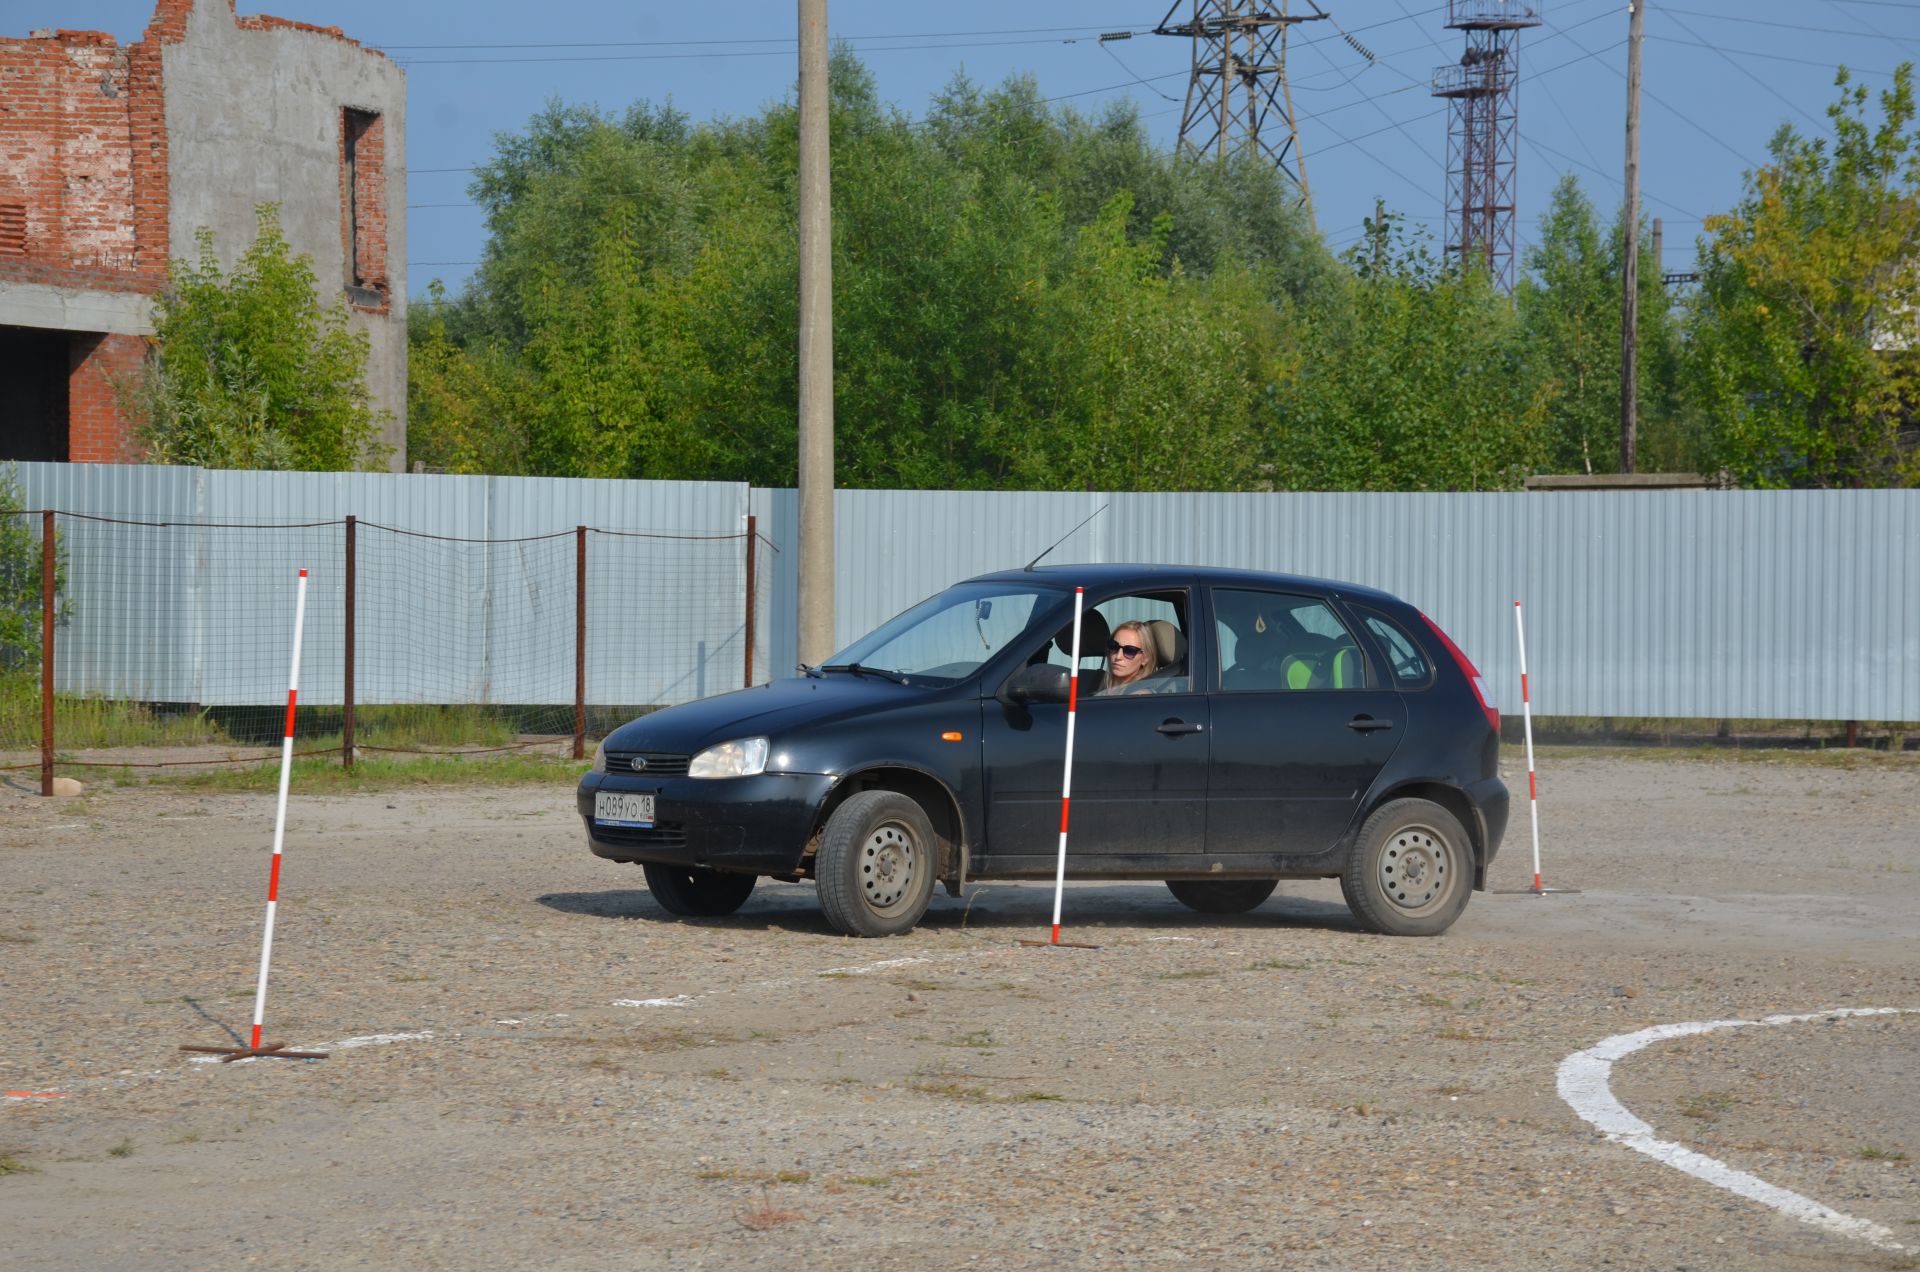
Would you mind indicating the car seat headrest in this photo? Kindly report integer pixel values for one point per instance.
(1168, 643)
(1093, 636)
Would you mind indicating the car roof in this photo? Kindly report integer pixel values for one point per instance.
(1115, 574)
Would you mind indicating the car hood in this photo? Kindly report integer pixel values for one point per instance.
(780, 708)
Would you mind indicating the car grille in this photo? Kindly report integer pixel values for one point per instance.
(659, 763)
(664, 838)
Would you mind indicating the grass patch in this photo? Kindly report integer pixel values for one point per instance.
(11, 1165)
(954, 1091)
(866, 1181)
(793, 1177)
(123, 1149)
(1464, 1035)
(1198, 973)
(1708, 1105)
(979, 1038)
(661, 1040)
(324, 774)
(10, 937)
(1434, 1000)
(1869, 1153)
(1277, 965)
(97, 722)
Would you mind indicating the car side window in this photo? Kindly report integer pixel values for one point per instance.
(1274, 642)
(1405, 659)
(1161, 614)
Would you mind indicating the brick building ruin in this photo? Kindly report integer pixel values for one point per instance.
(112, 157)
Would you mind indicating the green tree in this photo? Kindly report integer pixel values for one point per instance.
(636, 313)
(1568, 303)
(1411, 378)
(22, 583)
(250, 370)
(1803, 358)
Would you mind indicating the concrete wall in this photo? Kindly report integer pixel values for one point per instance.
(254, 115)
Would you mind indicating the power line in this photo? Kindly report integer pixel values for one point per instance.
(1722, 53)
(1772, 57)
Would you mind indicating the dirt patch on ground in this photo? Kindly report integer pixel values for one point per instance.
(533, 1065)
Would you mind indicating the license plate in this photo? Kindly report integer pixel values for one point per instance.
(612, 808)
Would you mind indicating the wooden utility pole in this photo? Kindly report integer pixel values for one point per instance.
(816, 343)
(1630, 259)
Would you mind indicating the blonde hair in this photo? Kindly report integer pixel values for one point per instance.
(1149, 653)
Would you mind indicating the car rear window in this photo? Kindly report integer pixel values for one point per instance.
(1407, 663)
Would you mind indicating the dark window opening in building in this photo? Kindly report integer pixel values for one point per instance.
(364, 201)
(33, 394)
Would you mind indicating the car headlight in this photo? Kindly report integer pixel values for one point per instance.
(599, 759)
(744, 757)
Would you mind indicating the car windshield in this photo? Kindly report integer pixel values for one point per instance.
(946, 637)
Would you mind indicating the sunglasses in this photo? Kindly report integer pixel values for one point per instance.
(1131, 651)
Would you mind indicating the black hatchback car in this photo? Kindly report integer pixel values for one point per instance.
(1291, 728)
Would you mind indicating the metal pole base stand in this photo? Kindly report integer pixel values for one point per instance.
(265, 1051)
(1061, 945)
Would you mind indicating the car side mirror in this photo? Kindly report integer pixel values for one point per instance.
(1040, 682)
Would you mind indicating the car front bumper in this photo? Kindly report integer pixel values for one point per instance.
(759, 824)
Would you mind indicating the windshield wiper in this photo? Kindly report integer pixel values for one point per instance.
(860, 670)
(813, 673)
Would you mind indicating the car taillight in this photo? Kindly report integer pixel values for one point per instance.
(1468, 670)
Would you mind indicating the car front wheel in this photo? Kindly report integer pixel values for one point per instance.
(1221, 896)
(1411, 870)
(875, 866)
(696, 892)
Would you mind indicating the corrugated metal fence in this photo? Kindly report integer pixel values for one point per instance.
(1781, 605)
(1748, 605)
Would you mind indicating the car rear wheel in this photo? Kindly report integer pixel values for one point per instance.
(875, 866)
(1411, 870)
(696, 892)
(1221, 896)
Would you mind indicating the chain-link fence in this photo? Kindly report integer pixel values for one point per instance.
(160, 643)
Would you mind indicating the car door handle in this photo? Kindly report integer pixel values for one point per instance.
(1367, 724)
(1177, 727)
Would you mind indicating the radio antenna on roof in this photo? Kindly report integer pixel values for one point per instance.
(1068, 535)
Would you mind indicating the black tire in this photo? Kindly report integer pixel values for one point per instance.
(696, 892)
(876, 864)
(1411, 870)
(1221, 896)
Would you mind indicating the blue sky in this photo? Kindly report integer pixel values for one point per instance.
(1719, 77)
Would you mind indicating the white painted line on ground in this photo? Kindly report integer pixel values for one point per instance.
(865, 968)
(678, 1000)
(1583, 1084)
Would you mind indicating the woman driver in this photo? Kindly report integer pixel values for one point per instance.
(1131, 658)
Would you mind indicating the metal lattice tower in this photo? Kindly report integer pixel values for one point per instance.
(1482, 131)
(1238, 103)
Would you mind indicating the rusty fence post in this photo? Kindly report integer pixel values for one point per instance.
(752, 534)
(346, 675)
(579, 642)
(46, 651)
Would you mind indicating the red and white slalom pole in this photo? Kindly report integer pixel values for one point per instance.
(280, 814)
(1066, 777)
(1526, 716)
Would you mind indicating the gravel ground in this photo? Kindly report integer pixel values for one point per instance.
(580, 1082)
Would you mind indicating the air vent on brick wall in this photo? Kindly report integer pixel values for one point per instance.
(13, 229)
